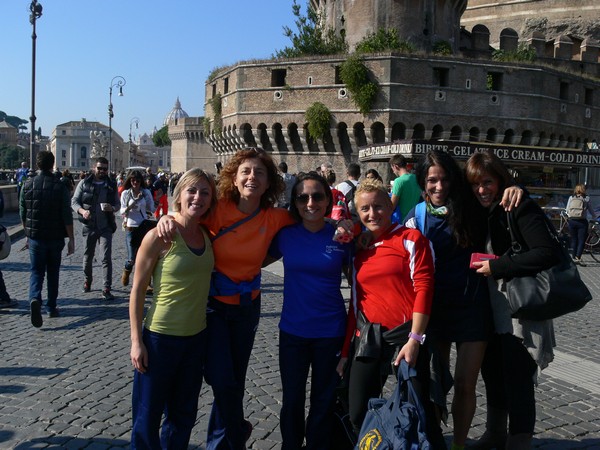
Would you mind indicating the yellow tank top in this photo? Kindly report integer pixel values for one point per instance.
(181, 284)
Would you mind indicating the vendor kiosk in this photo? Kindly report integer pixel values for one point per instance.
(548, 173)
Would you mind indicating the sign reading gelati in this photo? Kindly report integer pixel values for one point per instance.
(463, 150)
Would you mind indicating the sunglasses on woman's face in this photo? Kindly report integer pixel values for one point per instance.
(316, 197)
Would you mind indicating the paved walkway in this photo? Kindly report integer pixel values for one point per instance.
(68, 384)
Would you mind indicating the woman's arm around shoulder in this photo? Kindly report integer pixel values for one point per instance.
(532, 230)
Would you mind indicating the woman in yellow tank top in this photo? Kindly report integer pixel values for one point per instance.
(168, 347)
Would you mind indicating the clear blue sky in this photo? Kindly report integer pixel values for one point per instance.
(163, 48)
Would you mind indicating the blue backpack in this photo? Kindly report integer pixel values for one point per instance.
(397, 423)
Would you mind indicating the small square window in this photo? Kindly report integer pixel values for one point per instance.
(441, 76)
(278, 77)
(494, 81)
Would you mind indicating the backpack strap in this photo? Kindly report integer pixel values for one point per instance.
(235, 225)
(421, 216)
(351, 192)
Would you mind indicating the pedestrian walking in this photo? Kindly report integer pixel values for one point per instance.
(96, 200)
(47, 220)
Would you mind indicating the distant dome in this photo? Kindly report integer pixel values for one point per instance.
(176, 113)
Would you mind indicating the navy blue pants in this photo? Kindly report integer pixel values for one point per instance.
(171, 386)
(507, 371)
(231, 330)
(296, 356)
(45, 257)
(578, 230)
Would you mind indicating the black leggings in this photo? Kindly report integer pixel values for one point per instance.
(507, 371)
(366, 381)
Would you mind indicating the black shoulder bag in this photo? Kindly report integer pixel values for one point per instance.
(550, 293)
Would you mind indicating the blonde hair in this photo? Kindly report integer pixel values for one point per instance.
(189, 178)
(367, 186)
(579, 190)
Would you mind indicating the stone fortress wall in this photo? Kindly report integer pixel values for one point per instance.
(578, 19)
(422, 96)
(553, 102)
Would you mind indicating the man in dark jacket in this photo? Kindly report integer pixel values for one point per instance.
(47, 220)
(95, 200)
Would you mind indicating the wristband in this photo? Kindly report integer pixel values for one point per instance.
(417, 337)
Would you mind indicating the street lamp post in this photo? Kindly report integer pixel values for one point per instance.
(119, 82)
(136, 121)
(36, 12)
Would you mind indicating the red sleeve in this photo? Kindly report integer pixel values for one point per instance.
(419, 250)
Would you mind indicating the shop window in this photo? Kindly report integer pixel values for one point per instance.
(494, 81)
(441, 76)
(278, 77)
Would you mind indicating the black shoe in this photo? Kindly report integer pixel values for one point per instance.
(106, 295)
(87, 286)
(149, 291)
(54, 313)
(36, 313)
(8, 303)
(248, 430)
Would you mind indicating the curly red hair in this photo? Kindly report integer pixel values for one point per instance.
(227, 189)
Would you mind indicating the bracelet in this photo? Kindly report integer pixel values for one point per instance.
(417, 337)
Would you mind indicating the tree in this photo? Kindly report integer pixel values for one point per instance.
(15, 121)
(161, 137)
(312, 37)
(11, 156)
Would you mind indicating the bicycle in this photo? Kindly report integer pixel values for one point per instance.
(592, 243)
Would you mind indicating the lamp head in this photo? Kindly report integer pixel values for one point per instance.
(120, 91)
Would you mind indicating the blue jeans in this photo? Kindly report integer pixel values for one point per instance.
(578, 229)
(296, 356)
(231, 330)
(45, 257)
(171, 386)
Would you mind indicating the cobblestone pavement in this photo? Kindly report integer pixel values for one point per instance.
(68, 384)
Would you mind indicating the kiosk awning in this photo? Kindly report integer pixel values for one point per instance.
(517, 154)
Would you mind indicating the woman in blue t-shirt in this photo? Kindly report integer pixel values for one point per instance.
(313, 317)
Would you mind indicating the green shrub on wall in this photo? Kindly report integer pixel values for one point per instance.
(355, 75)
(385, 39)
(206, 124)
(215, 104)
(318, 117)
(442, 48)
(523, 53)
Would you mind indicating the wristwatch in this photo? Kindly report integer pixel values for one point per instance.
(417, 337)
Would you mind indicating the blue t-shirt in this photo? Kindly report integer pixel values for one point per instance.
(313, 306)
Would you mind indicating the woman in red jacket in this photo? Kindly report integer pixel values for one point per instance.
(393, 288)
